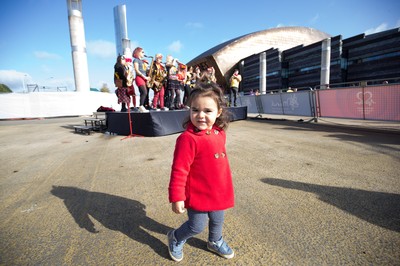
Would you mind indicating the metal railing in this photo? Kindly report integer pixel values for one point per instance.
(367, 100)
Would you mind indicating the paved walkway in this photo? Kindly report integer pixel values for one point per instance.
(366, 125)
(321, 193)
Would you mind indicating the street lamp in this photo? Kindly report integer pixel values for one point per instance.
(23, 82)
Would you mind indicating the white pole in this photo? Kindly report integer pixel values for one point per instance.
(23, 83)
(263, 73)
(78, 45)
(121, 29)
(325, 63)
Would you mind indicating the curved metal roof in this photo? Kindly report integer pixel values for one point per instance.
(225, 56)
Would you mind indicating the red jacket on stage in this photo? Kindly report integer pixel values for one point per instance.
(201, 174)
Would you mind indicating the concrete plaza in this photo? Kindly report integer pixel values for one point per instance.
(323, 193)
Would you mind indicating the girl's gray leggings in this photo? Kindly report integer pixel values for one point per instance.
(198, 221)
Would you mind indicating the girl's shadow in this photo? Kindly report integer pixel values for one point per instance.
(113, 212)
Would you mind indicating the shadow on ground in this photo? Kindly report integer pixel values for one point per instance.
(378, 208)
(113, 212)
(376, 140)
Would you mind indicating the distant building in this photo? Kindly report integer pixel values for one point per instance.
(356, 59)
(293, 58)
(225, 56)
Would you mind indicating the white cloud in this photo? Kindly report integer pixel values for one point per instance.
(55, 84)
(15, 80)
(397, 24)
(46, 55)
(381, 27)
(63, 83)
(46, 69)
(18, 81)
(101, 49)
(194, 25)
(175, 46)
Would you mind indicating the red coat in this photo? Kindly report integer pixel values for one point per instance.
(201, 174)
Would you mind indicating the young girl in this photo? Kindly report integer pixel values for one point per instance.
(201, 178)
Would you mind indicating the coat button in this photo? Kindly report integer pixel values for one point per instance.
(216, 156)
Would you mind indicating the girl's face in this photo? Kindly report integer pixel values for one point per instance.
(203, 112)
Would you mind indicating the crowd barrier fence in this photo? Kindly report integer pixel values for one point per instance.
(374, 102)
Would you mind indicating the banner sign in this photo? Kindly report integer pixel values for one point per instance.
(370, 103)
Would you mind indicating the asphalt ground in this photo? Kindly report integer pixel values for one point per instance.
(323, 193)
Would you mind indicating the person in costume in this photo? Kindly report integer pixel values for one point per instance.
(188, 86)
(158, 77)
(120, 81)
(147, 99)
(208, 75)
(141, 77)
(130, 79)
(182, 72)
(174, 88)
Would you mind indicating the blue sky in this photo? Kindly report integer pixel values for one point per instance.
(35, 43)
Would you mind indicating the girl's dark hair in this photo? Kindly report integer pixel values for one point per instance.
(212, 90)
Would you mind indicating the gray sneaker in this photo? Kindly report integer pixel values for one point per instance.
(175, 248)
(221, 248)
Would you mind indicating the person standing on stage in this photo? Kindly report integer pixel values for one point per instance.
(147, 100)
(120, 82)
(181, 78)
(158, 76)
(141, 78)
(188, 87)
(130, 80)
(173, 87)
(168, 96)
(197, 72)
(211, 74)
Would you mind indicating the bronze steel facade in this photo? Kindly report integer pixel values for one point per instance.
(294, 58)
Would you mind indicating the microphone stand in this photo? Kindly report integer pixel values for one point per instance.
(130, 120)
(130, 124)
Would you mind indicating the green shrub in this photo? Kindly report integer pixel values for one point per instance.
(4, 89)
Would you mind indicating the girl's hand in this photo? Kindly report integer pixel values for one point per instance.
(178, 207)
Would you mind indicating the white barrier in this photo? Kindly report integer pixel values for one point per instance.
(295, 103)
(250, 102)
(53, 104)
(374, 102)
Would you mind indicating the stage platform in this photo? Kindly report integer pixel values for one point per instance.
(157, 123)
